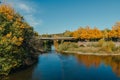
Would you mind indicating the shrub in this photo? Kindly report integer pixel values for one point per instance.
(67, 45)
(73, 45)
(101, 42)
(106, 46)
(64, 46)
(15, 36)
(111, 44)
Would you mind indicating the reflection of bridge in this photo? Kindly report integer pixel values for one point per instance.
(57, 38)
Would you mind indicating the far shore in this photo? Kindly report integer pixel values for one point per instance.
(96, 54)
(100, 48)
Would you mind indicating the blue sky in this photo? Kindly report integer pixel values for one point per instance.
(56, 16)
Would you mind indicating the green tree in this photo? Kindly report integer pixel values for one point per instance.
(15, 38)
(67, 33)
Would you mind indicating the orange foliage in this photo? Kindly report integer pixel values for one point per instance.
(87, 33)
(89, 60)
(7, 11)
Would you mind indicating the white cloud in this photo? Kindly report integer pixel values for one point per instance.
(28, 11)
(24, 7)
(33, 21)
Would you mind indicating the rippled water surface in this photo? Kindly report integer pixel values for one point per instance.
(56, 66)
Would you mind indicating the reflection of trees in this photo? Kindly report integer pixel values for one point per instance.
(115, 64)
(63, 62)
(89, 60)
(56, 44)
(25, 74)
(113, 61)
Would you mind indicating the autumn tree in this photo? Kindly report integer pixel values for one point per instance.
(116, 28)
(87, 33)
(67, 33)
(15, 38)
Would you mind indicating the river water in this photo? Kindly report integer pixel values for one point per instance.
(58, 66)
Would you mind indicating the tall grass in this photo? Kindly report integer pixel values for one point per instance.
(67, 45)
(107, 46)
(101, 46)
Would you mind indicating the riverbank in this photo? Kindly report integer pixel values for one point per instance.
(95, 54)
(90, 48)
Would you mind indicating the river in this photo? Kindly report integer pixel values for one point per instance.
(58, 66)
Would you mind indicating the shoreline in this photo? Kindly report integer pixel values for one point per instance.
(92, 54)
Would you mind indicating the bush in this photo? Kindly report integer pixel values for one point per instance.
(101, 42)
(111, 44)
(64, 46)
(73, 45)
(106, 46)
(67, 45)
(15, 36)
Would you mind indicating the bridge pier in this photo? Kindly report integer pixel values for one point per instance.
(56, 40)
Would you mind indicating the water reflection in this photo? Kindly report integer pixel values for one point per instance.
(57, 66)
(112, 61)
(25, 74)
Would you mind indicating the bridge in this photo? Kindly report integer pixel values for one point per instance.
(56, 38)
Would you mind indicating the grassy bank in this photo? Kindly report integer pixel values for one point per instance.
(100, 47)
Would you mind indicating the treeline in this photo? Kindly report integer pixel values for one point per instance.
(91, 34)
(95, 34)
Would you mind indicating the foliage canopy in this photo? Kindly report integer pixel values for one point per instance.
(15, 35)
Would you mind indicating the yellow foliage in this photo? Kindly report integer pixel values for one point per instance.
(112, 33)
(9, 35)
(14, 39)
(22, 26)
(12, 36)
(20, 39)
(7, 11)
(9, 17)
(75, 34)
(87, 33)
(18, 43)
(0, 28)
(3, 40)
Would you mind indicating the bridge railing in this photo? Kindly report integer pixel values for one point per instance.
(56, 38)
